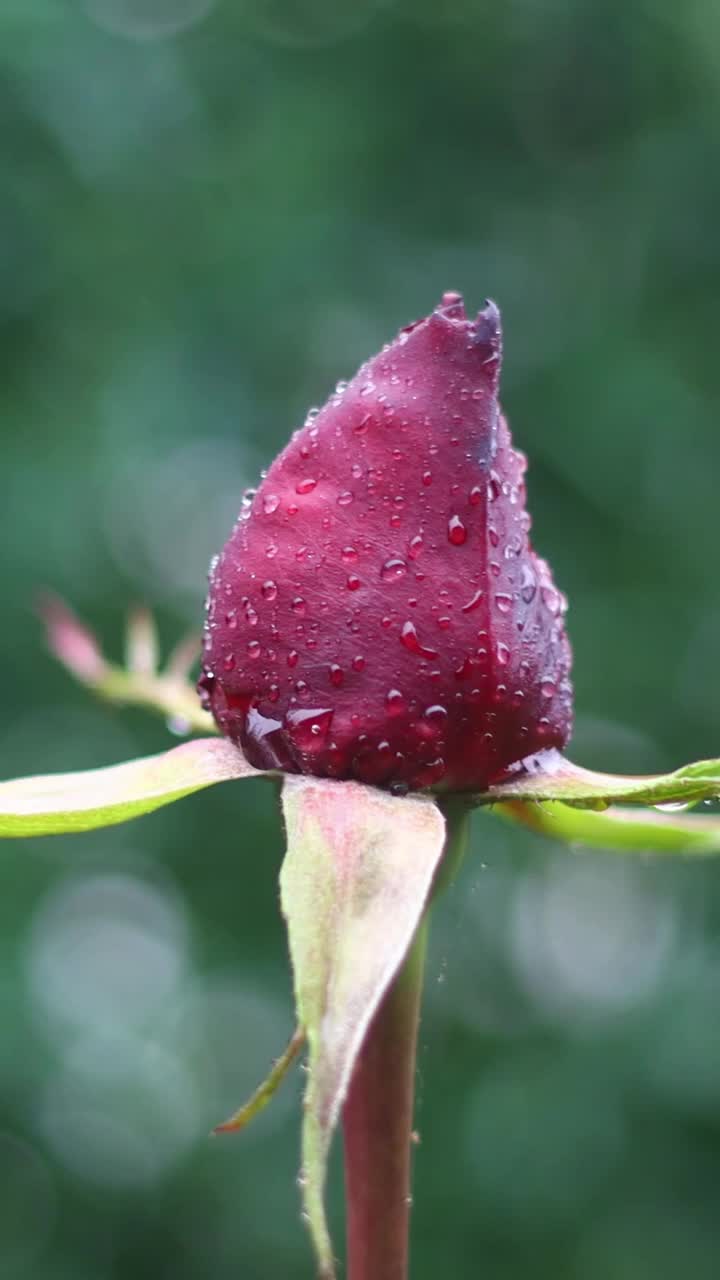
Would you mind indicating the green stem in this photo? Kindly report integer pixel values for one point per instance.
(377, 1116)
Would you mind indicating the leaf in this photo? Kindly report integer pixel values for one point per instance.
(356, 876)
(549, 776)
(265, 1091)
(622, 830)
(61, 802)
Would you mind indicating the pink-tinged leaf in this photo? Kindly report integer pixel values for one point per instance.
(619, 830)
(354, 885)
(549, 776)
(142, 646)
(62, 802)
(71, 642)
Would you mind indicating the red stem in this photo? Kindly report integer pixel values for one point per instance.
(377, 1125)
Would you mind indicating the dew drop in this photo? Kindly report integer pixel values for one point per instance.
(298, 606)
(503, 602)
(292, 658)
(444, 623)
(361, 427)
(394, 702)
(393, 569)
(305, 486)
(309, 729)
(672, 806)
(493, 535)
(431, 773)
(358, 663)
(253, 649)
(503, 654)
(494, 488)
(229, 663)
(345, 498)
(528, 585)
(457, 533)
(231, 620)
(548, 688)
(427, 478)
(409, 638)
(436, 715)
(475, 495)
(269, 590)
(349, 555)
(551, 599)
(352, 582)
(473, 603)
(271, 502)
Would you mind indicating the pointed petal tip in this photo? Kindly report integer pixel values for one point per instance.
(452, 304)
(488, 326)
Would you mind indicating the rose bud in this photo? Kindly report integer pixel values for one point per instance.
(378, 613)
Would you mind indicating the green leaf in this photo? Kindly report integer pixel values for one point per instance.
(354, 884)
(549, 776)
(622, 830)
(61, 802)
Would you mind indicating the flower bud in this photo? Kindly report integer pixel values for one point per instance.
(378, 613)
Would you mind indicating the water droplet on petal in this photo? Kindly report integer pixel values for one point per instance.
(457, 533)
(336, 675)
(309, 728)
(528, 584)
(349, 555)
(393, 569)
(473, 603)
(269, 590)
(345, 498)
(503, 654)
(394, 702)
(305, 486)
(352, 582)
(253, 649)
(503, 602)
(271, 502)
(409, 638)
(298, 606)
(358, 663)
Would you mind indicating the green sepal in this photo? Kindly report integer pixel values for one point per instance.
(356, 877)
(549, 776)
(616, 829)
(57, 803)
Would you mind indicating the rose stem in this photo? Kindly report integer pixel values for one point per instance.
(378, 1112)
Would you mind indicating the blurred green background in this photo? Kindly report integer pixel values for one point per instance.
(211, 210)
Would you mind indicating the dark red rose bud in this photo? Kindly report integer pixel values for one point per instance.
(377, 612)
